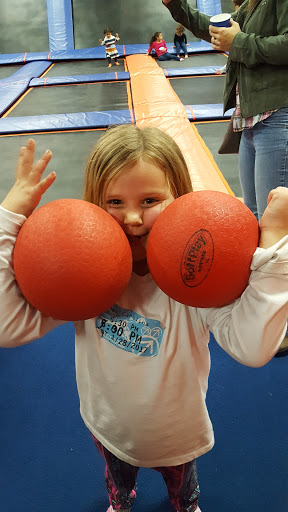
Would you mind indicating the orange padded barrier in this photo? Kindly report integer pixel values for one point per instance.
(156, 104)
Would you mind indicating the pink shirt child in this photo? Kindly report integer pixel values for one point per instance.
(160, 48)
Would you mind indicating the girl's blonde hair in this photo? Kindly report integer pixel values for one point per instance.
(124, 145)
(180, 29)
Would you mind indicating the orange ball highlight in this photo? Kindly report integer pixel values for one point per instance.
(72, 260)
(200, 248)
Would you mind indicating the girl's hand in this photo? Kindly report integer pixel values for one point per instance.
(100, 40)
(116, 35)
(274, 221)
(28, 188)
(222, 37)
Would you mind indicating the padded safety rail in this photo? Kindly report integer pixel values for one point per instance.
(210, 7)
(121, 75)
(79, 79)
(156, 104)
(63, 122)
(12, 87)
(207, 112)
(60, 25)
(94, 53)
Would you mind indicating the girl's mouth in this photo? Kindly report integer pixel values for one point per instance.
(134, 239)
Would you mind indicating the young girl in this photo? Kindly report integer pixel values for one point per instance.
(180, 41)
(111, 50)
(158, 44)
(144, 399)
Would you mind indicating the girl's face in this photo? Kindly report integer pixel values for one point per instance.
(135, 199)
(159, 38)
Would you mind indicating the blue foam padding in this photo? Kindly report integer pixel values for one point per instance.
(80, 79)
(13, 86)
(60, 24)
(193, 47)
(95, 53)
(83, 53)
(122, 75)
(210, 7)
(207, 70)
(28, 71)
(207, 112)
(22, 58)
(60, 122)
(89, 120)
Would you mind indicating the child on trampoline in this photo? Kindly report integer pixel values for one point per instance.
(158, 44)
(148, 408)
(180, 41)
(111, 50)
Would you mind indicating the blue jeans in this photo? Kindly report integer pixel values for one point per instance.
(168, 56)
(263, 160)
(179, 46)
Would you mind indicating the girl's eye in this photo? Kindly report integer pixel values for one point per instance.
(150, 200)
(115, 202)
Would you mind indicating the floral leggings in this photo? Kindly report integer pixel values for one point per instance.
(181, 481)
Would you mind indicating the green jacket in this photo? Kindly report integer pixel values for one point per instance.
(258, 58)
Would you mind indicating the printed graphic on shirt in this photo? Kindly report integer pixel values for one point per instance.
(197, 258)
(131, 332)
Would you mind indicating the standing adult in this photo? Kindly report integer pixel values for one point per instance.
(256, 85)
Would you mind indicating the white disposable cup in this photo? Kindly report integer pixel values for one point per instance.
(221, 20)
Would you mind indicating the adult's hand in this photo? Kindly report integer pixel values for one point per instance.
(274, 221)
(222, 37)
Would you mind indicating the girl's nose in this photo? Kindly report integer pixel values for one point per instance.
(133, 218)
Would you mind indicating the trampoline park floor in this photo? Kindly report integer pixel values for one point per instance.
(63, 99)
(83, 67)
(107, 96)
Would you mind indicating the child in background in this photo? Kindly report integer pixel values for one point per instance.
(145, 402)
(157, 42)
(111, 50)
(180, 40)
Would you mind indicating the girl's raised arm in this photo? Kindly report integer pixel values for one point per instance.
(20, 323)
(29, 186)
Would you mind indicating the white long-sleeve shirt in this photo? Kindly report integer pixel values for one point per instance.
(142, 367)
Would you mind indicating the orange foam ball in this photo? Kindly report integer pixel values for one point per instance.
(200, 248)
(72, 260)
